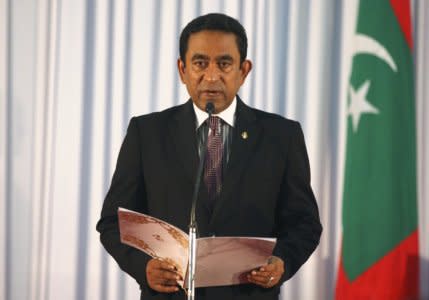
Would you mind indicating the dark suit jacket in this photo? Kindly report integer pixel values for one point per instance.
(266, 191)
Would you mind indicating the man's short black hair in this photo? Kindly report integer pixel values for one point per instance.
(215, 22)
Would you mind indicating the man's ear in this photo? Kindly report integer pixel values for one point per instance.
(181, 69)
(246, 67)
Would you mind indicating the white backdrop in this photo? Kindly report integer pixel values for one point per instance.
(73, 72)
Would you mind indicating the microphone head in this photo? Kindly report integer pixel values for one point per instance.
(210, 107)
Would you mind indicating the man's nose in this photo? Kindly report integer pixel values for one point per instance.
(212, 73)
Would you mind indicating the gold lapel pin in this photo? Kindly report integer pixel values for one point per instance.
(244, 135)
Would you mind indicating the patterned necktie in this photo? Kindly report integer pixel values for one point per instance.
(213, 161)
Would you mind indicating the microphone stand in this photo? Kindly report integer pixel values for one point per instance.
(192, 246)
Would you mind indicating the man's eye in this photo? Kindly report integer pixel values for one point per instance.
(200, 64)
(224, 65)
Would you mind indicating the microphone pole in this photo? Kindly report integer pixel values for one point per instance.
(192, 246)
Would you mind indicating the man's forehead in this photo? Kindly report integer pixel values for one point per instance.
(210, 38)
(212, 44)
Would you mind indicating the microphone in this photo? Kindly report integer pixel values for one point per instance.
(210, 110)
(192, 242)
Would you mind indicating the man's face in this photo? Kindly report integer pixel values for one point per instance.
(212, 72)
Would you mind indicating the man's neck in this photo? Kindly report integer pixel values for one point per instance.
(227, 115)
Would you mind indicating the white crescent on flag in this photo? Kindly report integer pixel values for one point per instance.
(367, 45)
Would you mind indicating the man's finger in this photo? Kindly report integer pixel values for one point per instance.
(263, 278)
(166, 266)
(260, 273)
(169, 275)
(161, 265)
(266, 274)
(162, 274)
(166, 282)
(163, 269)
(263, 283)
(260, 279)
(269, 267)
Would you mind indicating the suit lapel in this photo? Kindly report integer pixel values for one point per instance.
(183, 135)
(245, 137)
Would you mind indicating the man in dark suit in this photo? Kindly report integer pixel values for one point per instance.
(257, 184)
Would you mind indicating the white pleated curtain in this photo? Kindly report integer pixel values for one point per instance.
(73, 72)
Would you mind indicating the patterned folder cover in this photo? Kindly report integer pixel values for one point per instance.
(220, 260)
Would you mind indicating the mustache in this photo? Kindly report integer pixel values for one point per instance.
(217, 87)
(211, 89)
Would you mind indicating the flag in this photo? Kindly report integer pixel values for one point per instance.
(379, 252)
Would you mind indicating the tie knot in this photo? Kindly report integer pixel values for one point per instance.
(214, 123)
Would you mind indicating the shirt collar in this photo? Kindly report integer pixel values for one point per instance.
(227, 115)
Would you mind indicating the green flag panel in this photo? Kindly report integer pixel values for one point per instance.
(379, 201)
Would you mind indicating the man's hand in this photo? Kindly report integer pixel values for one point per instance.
(268, 275)
(162, 276)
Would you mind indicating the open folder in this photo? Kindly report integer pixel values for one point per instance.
(220, 260)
